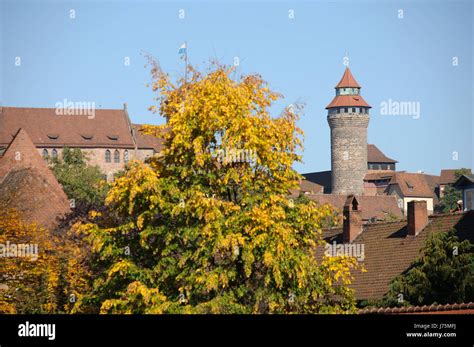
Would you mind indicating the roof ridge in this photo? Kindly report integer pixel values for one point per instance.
(418, 308)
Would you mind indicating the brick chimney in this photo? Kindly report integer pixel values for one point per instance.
(352, 224)
(417, 217)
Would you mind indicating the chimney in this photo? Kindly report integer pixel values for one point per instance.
(417, 217)
(352, 224)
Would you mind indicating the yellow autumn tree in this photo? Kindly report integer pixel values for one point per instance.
(41, 271)
(207, 226)
(29, 267)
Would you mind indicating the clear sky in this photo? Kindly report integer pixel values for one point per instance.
(425, 58)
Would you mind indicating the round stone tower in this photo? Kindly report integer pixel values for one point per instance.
(348, 118)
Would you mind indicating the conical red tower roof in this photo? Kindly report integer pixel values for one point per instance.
(349, 100)
(347, 80)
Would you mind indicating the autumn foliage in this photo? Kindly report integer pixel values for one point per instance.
(205, 228)
(29, 280)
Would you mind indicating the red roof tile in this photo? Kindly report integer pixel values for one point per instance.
(348, 100)
(347, 80)
(448, 176)
(108, 128)
(388, 251)
(462, 308)
(377, 176)
(145, 141)
(28, 185)
(372, 206)
(413, 184)
(375, 155)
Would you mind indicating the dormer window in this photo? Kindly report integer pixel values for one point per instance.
(53, 136)
(87, 136)
(113, 137)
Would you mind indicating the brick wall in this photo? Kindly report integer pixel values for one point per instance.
(96, 156)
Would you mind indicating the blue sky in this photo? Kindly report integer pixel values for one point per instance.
(407, 59)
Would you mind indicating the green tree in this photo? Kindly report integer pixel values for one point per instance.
(449, 201)
(81, 182)
(444, 274)
(451, 196)
(460, 172)
(206, 226)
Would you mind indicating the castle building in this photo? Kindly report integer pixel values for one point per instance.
(28, 186)
(348, 118)
(109, 139)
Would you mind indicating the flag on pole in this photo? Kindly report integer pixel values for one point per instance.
(182, 49)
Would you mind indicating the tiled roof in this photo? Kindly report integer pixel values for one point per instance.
(375, 176)
(448, 176)
(412, 184)
(347, 80)
(462, 308)
(389, 251)
(306, 186)
(108, 128)
(33, 197)
(376, 206)
(323, 178)
(28, 185)
(464, 180)
(147, 141)
(348, 100)
(375, 155)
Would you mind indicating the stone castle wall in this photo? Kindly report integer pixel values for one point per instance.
(348, 152)
(96, 156)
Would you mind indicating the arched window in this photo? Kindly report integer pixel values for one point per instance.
(116, 156)
(125, 156)
(107, 156)
(45, 154)
(54, 154)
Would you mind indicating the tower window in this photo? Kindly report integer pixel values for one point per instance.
(45, 154)
(107, 156)
(116, 156)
